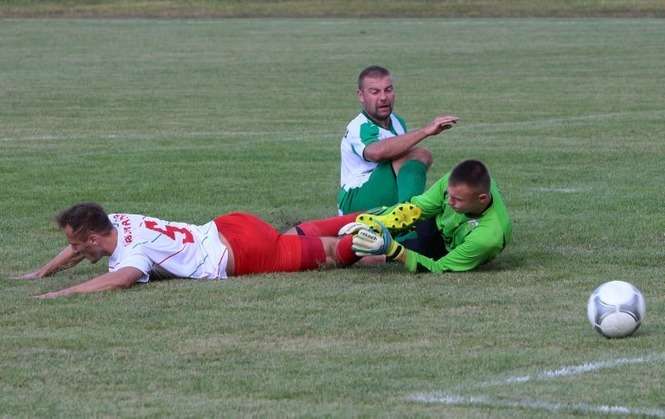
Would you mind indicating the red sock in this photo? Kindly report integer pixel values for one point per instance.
(344, 253)
(327, 227)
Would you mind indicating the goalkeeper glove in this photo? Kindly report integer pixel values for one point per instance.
(351, 228)
(367, 242)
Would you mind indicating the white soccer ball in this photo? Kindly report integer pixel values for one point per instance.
(616, 309)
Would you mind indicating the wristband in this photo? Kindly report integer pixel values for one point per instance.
(399, 250)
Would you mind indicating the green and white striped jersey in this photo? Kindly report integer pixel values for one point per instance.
(360, 133)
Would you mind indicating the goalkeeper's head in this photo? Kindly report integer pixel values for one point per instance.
(469, 188)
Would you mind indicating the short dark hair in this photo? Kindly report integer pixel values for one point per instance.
(373, 71)
(473, 173)
(85, 218)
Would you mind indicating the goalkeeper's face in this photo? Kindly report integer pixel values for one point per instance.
(465, 199)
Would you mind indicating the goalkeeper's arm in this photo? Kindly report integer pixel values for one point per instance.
(464, 257)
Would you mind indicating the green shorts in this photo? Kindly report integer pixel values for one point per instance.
(379, 190)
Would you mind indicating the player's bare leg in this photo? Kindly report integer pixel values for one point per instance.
(338, 251)
(420, 154)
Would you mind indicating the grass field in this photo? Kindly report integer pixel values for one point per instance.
(331, 8)
(186, 119)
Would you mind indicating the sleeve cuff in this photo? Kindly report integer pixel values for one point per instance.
(410, 262)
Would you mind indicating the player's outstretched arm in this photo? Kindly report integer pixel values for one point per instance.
(122, 278)
(63, 260)
(465, 257)
(394, 147)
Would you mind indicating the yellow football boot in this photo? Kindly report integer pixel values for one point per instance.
(400, 218)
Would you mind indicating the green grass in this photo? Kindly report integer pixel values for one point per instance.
(186, 119)
(332, 8)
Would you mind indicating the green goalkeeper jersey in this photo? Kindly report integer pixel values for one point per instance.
(470, 241)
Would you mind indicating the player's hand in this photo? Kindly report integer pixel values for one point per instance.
(368, 242)
(50, 295)
(46, 296)
(441, 123)
(30, 276)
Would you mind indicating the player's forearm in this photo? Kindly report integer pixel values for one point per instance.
(461, 259)
(88, 287)
(394, 147)
(415, 262)
(63, 260)
(84, 288)
(109, 281)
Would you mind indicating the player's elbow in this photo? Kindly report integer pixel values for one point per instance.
(374, 153)
(125, 284)
(486, 254)
(369, 156)
(127, 279)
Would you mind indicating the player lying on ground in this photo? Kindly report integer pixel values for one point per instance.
(462, 222)
(141, 247)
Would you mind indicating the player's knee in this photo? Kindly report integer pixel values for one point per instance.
(423, 155)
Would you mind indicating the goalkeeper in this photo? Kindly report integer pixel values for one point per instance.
(462, 223)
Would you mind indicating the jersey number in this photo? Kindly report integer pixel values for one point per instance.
(170, 231)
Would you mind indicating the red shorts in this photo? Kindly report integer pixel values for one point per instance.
(259, 248)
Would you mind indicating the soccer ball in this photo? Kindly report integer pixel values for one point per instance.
(616, 309)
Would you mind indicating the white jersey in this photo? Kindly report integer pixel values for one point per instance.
(360, 133)
(168, 249)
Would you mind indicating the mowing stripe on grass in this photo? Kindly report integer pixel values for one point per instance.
(555, 122)
(165, 134)
(513, 125)
(458, 400)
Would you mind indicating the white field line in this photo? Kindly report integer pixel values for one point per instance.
(572, 370)
(560, 190)
(566, 371)
(452, 399)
